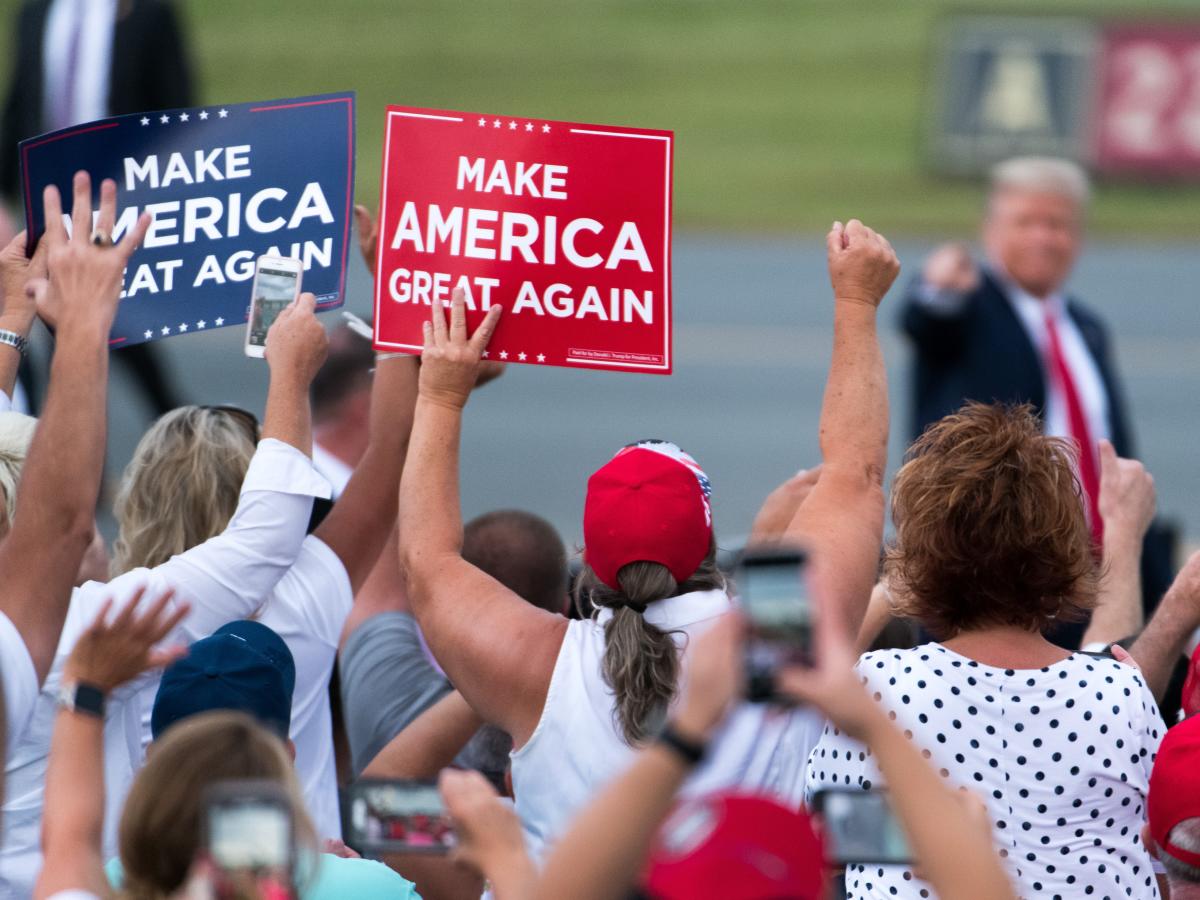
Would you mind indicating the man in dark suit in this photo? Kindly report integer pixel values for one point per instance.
(1005, 331)
(78, 60)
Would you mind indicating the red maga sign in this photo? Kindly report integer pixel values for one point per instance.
(566, 226)
(1149, 112)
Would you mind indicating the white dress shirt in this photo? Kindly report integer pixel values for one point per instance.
(225, 578)
(96, 20)
(1089, 384)
(332, 468)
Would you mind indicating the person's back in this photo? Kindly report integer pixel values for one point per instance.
(577, 746)
(1061, 755)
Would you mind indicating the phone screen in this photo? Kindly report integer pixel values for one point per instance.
(397, 817)
(775, 597)
(859, 827)
(274, 289)
(250, 836)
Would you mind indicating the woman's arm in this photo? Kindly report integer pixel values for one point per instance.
(429, 743)
(1159, 647)
(841, 522)
(106, 656)
(1127, 500)
(498, 650)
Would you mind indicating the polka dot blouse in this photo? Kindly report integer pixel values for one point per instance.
(1061, 755)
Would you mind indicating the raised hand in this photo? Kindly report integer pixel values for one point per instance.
(452, 360)
(16, 271)
(109, 654)
(713, 678)
(488, 830)
(297, 342)
(85, 270)
(368, 236)
(862, 264)
(1127, 495)
(778, 510)
(951, 268)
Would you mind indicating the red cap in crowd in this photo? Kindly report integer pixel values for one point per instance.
(1190, 700)
(648, 503)
(1175, 787)
(737, 847)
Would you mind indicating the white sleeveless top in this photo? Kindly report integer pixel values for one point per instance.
(577, 748)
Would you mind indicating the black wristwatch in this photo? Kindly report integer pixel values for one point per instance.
(81, 697)
(688, 750)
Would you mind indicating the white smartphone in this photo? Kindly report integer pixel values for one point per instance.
(276, 284)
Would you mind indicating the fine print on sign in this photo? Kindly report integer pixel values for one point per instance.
(225, 184)
(566, 226)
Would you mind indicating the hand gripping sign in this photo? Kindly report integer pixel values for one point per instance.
(566, 226)
(226, 184)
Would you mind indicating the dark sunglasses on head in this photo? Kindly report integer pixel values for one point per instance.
(245, 419)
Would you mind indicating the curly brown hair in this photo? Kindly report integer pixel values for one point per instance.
(990, 525)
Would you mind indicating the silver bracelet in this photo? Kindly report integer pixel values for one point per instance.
(14, 340)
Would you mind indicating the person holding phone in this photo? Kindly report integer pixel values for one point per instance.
(600, 688)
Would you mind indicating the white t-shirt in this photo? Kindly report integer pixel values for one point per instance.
(20, 683)
(1061, 755)
(307, 609)
(576, 748)
(223, 579)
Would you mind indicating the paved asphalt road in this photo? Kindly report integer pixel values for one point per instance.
(752, 345)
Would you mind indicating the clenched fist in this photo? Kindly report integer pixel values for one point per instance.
(862, 264)
(951, 268)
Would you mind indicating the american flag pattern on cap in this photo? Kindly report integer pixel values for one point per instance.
(675, 452)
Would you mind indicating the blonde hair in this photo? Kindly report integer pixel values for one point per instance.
(16, 434)
(181, 487)
(162, 822)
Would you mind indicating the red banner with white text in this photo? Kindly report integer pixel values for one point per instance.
(567, 226)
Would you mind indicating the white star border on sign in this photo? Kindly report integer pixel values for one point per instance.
(203, 114)
(223, 113)
(148, 334)
(201, 324)
(183, 117)
(219, 321)
(522, 356)
(145, 120)
(164, 119)
(541, 357)
(504, 354)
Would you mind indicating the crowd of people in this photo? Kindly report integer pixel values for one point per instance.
(587, 722)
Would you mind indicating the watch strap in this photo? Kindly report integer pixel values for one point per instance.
(14, 340)
(81, 697)
(690, 751)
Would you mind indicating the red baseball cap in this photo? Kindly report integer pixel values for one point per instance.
(648, 503)
(737, 847)
(1175, 787)
(1190, 699)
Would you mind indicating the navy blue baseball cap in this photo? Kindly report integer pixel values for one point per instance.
(243, 666)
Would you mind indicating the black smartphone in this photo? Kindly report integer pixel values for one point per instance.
(859, 827)
(250, 836)
(773, 586)
(395, 817)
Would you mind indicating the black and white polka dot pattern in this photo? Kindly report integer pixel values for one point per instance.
(1062, 756)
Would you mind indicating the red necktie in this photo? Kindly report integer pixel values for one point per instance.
(1089, 469)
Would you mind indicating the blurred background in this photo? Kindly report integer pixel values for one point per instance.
(787, 115)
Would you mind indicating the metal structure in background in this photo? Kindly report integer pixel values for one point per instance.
(1121, 97)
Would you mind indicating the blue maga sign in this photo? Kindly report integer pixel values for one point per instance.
(225, 184)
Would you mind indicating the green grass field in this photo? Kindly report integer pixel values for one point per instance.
(787, 114)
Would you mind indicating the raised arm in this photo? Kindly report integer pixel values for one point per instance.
(1127, 501)
(360, 522)
(498, 650)
(950, 842)
(842, 519)
(17, 307)
(429, 743)
(1159, 647)
(56, 500)
(229, 575)
(106, 656)
(604, 850)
